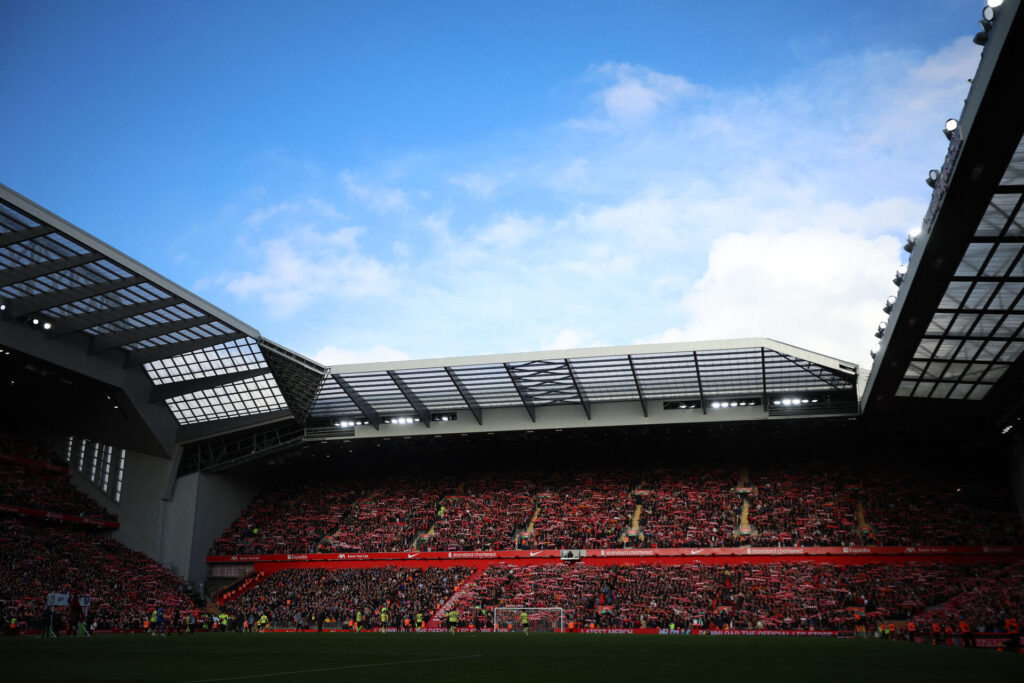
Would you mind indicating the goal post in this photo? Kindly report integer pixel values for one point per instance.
(539, 618)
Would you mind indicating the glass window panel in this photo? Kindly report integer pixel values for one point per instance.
(995, 372)
(962, 324)
(969, 349)
(942, 389)
(978, 392)
(954, 296)
(939, 323)
(1001, 259)
(1011, 352)
(990, 350)
(926, 348)
(946, 349)
(1010, 325)
(980, 295)
(960, 391)
(1007, 295)
(955, 370)
(923, 389)
(1014, 172)
(915, 370)
(905, 388)
(986, 324)
(935, 370)
(973, 259)
(974, 372)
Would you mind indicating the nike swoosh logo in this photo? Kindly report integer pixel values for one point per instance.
(535, 553)
(411, 555)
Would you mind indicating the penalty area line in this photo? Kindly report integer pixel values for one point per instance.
(331, 668)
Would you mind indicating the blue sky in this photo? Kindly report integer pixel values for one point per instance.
(389, 180)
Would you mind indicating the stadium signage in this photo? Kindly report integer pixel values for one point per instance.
(59, 516)
(619, 552)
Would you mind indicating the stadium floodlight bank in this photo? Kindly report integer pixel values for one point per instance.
(539, 618)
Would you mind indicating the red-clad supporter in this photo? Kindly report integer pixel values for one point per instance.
(798, 595)
(391, 518)
(339, 594)
(989, 601)
(589, 512)
(694, 508)
(290, 519)
(485, 515)
(124, 585)
(812, 504)
(42, 487)
(935, 504)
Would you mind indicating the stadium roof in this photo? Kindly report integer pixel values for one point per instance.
(956, 330)
(90, 305)
(700, 375)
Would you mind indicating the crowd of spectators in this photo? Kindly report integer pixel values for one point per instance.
(799, 595)
(33, 479)
(938, 504)
(486, 515)
(990, 598)
(392, 517)
(698, 508)
(590, 510)
(814, 505)
(700, 505)
(124, 585)
(311, 596)
(294, 518)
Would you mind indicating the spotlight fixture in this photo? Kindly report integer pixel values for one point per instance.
(988, 13)
(35, 321)
(950, 127)
(47, 325)
(874, 350)
(881, 330)
(911, 240)
(994, 3)
(932, 179)
(901, 273)
(889, 303)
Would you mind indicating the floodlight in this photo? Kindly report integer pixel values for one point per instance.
(47, 326)
(3, 307)
(716, 405)
(733, 404)
(994, 3)
(881, 330)
(901, 273)
(950, 127)
(933, 178)
(889, 303)
(988, 14)
(35, 321)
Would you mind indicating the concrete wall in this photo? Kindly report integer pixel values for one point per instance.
(178, 531)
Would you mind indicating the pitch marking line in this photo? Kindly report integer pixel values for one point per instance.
(332, 668)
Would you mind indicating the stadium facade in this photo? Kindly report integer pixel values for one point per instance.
(116, 362)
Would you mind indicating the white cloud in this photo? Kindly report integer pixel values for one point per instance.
(311, 259)
(636, 95)
(376, 197)
(508, 231)
(477, 184)
(818, 289)
(334, 355)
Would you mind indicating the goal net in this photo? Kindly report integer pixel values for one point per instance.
(539, 618)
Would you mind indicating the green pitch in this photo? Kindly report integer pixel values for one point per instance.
(499, 657)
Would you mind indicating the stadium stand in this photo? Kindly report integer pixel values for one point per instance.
(781, 595)
(698, 508)
(486, 515)
(33, 479)
(339, 594)
(124, 585)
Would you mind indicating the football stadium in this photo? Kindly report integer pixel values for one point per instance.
(184, 499)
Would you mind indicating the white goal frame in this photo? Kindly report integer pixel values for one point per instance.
(507, 618)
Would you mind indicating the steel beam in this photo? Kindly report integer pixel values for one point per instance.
(110, 340)
(150, 354)
(412, 398)
(368, 411)
(530, 409)
(466, 395)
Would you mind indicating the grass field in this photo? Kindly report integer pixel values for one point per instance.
(491, 657)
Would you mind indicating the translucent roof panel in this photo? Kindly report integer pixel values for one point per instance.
(725, 370)
(255, 395)
(222, 359)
